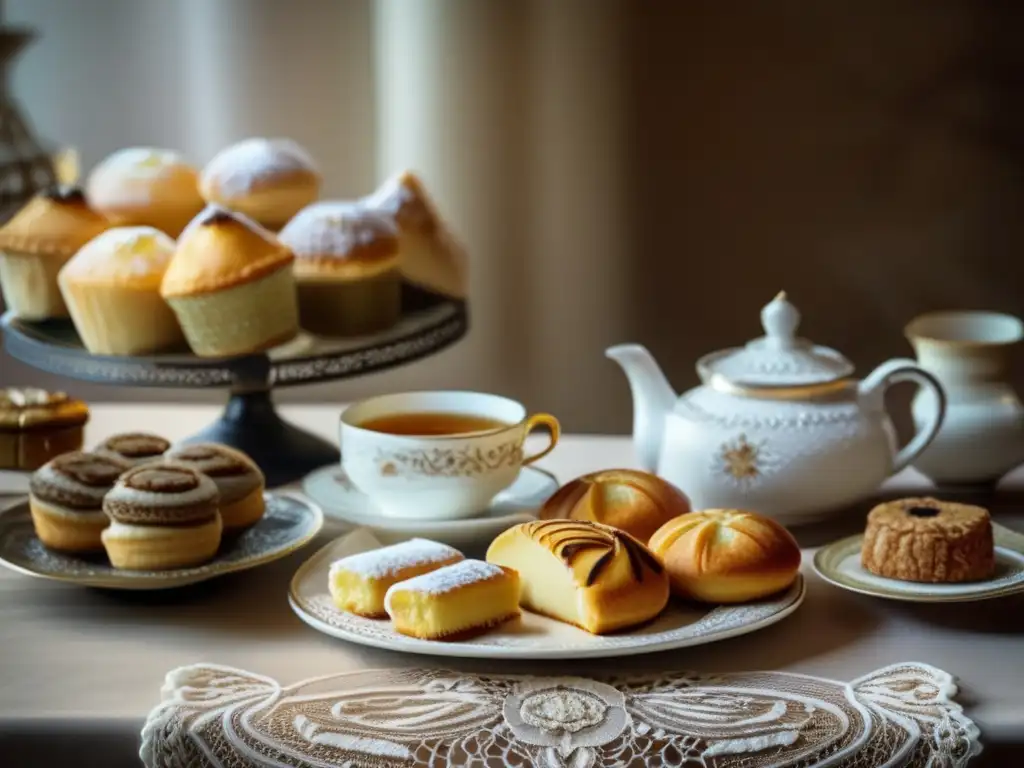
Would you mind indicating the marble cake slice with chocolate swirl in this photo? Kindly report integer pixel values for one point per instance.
(591, 575)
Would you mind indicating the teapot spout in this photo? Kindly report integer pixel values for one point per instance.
(653, 398)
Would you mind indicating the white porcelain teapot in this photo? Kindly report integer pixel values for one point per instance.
(778, 425)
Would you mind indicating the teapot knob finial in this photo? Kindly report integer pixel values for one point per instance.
(780, 320)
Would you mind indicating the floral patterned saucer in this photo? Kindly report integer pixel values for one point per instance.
(532, 636)
(289, 523)
(333, 491)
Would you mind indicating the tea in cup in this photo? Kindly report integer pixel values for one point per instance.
(437, 455)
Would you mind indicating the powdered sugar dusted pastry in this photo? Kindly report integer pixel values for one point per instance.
(134, 448)
(238, 479)
(34, 245)
(269, 180)
(163, 516)
(346, 268)
(358, 583)
(66, 500)
(431, 256)
(454, 602)
(146, 186)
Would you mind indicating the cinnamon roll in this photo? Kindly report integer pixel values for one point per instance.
(134, 448)
(163, 515)
(238, 479)
(66, 500)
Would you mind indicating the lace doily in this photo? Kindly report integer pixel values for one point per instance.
(901, 715)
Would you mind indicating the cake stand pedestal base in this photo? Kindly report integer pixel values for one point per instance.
(285, 452)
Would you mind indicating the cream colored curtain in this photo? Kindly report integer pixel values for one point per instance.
(620, 171)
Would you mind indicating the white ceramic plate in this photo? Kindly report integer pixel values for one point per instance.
(532, 636)
(340, 500)
(839, 563)
(289, 523)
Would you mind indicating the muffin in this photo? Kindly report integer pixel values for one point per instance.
(133, 448)
(66, 500)
(36, 243)
(239, 481)
(112, 289)
(146, 186)
(162, 516)
(927, 540)
(36, 426)
(231, 286)
(346, 268)
(269, 180)
(431, 256)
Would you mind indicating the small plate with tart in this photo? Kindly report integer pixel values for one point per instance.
(927, 551)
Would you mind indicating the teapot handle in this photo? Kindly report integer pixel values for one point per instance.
(894, 372)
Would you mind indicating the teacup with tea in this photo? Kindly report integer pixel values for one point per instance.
(437, 455)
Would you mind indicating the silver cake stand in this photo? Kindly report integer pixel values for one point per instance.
(249, 422)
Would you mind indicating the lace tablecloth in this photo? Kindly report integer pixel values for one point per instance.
(902, 715)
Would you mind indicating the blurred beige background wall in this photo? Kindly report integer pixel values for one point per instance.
(620, 171)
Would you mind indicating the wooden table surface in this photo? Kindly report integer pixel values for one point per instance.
(89, 664)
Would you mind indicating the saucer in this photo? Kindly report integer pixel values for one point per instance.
(839, 563)
(331, 489)
(289, 523)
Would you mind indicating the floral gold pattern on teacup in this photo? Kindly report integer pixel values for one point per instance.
(464, 461)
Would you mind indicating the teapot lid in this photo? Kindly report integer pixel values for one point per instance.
(779, 358)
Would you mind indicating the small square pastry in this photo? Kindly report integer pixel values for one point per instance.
(358, 583)
(431, 256)
(596, 577)
(238, 479)
(162, 516)
(36, 426)
(134, 448)
(112, 289)
(231, 286)
(346, 268)
(36, 243)
(146, 186)
(66, 500)
(269, 180)
(454, 602)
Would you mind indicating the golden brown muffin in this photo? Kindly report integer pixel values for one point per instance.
(269, 180)
(231, 286)
(66, 500)
(134, 448)
(36, 243)
(238, 479)
(36, 426)
(431, 256)
(726, 555)
(638, 503)
(596, 577)
(112, 290)
(146, 186)
(927, 540)
(163, 516)
(454, 602)
(346, 268)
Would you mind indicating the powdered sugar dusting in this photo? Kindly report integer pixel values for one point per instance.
(387, 561)
(390, 196)
(212, 209)
(124, 250)
(141, 161)
(461, 574)
(335, 228)
(236, 169)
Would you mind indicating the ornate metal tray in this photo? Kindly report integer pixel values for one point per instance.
(285, 453)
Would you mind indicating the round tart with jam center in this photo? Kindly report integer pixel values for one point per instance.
(238, 479)
(927, 540)
(66, 500)
(163, 515)
(135, 448)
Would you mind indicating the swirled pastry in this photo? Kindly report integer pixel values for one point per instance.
(239, 481)
(163, 516)
(594, 576)
(726, 555)
(928, 540)
(133, 448)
